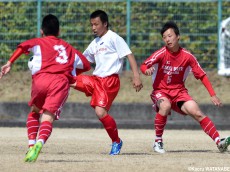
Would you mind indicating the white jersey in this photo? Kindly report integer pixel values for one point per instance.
(108, 53)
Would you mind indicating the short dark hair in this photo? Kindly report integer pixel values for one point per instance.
(172, 25)
(50, 25)
(102, 14)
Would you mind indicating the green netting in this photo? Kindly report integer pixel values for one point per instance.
(198, 22)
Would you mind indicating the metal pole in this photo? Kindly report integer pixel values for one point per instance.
(39, 4)
(219, 31)
(128, 18)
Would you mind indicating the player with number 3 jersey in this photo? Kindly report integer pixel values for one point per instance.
(55, 63)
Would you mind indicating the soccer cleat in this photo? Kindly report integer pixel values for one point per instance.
(158, 147)
(116, 148)
(29, 149)
(33, 153)
(223, 144)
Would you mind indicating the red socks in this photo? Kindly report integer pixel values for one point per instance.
(32, 125)
(111, 127)
(210, 129)
(160, 122)
(45, 131)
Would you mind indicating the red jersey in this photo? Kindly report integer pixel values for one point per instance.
(53, 55)
(172, 69)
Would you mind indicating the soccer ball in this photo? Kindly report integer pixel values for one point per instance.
(30, 63)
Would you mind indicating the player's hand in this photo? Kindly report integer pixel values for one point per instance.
(137, 84)
(216, 101)
(149, 71)
(73, 85)
(5, 69)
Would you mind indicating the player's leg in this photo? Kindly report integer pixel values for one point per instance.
(111, 128)
(51, 94)
(45, 131)
(105, 91)
(164, 107)
(191, 108)
(85, 84)
(32, 125)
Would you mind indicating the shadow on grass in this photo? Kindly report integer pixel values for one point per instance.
(190, 151)
(61, 160)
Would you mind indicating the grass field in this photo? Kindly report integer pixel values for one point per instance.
(15, 87)
(86, 150)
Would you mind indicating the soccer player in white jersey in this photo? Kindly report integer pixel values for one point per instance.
(108, 51)
(55, 63)
(169, 67)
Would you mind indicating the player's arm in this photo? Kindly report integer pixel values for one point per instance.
(137, 84)
(86, 64)
(147, 71)
(83, 65)
(216, 101)
(6, 68)
(147, 67)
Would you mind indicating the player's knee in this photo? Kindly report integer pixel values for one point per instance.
(100, 112)
(35, 109)
(165, 106)
(198, 115)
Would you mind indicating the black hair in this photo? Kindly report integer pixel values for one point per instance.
(172, 25)
(50, 25)
(103, 16)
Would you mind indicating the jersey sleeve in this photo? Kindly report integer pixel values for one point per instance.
(81, 64)
(150, 61)
(17, 53)
(27, 45)
(208, 85)
(121, 46)
(197, 71)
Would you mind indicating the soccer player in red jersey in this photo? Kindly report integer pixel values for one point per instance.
(108, 51)
(169, 67)
(55, 63)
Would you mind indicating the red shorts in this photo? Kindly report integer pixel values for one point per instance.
(103, 90)
(49, 92)
(174, 96)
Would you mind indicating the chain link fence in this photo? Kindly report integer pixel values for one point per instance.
(137, 21)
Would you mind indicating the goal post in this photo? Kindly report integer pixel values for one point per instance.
(224, 59)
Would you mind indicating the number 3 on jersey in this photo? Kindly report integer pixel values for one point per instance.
(62, 58)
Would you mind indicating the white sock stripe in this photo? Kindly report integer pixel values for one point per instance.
(160, 133)
(209, 130)
(41, 140)
(45, 130)
(207, 125)
(213, 133)
(32, 142)
(46, 135)
(158, 138)
(47, 126)
(33, 127)
(158, 128)
(33, 133)
(216, 139)
(31, 121)
(160, 124)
